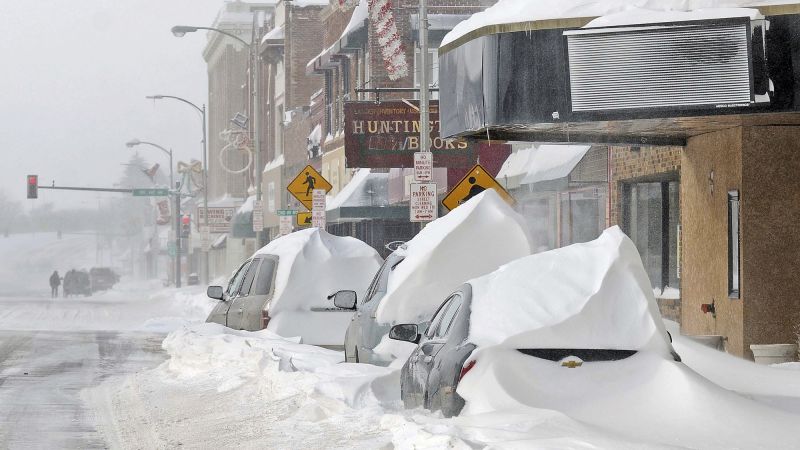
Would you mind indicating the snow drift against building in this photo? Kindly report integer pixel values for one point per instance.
(473, 239)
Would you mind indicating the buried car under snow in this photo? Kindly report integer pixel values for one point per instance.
(570, 308)
(473, 239)
(285, 286)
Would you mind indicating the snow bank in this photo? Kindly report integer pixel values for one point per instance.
(312, 265)
(518, 11)
(644, 397)
(590, 295)
(471, 240)
(231, 358)
(734, 373)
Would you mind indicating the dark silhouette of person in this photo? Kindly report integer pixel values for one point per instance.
(55, 282)
(473, 191)
(310, 181)
(307, 219)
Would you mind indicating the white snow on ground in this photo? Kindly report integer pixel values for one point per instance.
(224, 388)
(516, 11)
(145, 306)
(312, 265)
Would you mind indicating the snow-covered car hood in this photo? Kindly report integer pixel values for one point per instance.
(314, 264)
(594, 295)
(473, 239)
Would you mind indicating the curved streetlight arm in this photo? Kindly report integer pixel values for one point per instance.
(169, 152)
(159, 97)
(180, 30)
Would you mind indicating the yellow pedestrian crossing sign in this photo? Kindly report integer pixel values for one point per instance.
(304, 219)
(474, 182)
(303, 185)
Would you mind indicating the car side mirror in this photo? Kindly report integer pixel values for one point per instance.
(405, 332)
(215, 292)
(345, 299)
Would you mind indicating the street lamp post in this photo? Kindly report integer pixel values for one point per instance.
(202, 111)
(180, 31)
(175, 224)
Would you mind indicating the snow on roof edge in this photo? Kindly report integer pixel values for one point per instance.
(507, 15)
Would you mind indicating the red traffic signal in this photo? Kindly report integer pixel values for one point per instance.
(33, 186)
(186, 228)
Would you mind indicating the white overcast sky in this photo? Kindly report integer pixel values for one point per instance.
(73, 81)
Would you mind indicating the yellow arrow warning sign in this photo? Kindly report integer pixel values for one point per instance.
(474, 182)
(303, 185)
(304, 219)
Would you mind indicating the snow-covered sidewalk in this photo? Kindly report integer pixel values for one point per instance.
(222, 387)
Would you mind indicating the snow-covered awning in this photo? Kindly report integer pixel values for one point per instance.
(366, 196)
(274, 164)
(521, 15)
(220, 242)
(540, 163)
(274, 37)
(242, 222)
(346, 42)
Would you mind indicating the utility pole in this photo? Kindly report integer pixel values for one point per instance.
(424, 93)
(177, 234)
(257, 134)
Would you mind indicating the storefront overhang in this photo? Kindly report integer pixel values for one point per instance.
(272, 43)
(651, 84)
(353, 38)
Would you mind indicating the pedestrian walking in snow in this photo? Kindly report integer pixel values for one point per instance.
(55, 282)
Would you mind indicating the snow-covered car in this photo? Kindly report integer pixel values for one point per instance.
(473, 239)
(286, 287)
(582, 307)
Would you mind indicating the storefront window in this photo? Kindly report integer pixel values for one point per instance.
(582, 215)
(652, 220)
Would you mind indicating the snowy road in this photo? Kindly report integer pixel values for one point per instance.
(52, 350)
(42, 375)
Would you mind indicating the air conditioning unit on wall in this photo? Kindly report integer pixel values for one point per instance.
(709, 64)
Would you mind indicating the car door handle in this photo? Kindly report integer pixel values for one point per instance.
(428, 359)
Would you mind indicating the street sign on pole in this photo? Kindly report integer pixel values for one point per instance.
(474, 182)
(423, 206)
(304, 219)
(318, 208)
(423, 166)
(304, 184)
(285, 225)
(205, 238)
(258, 215)
(150, 192)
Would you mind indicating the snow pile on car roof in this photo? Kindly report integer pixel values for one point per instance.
(594, 295)
(473, 239)
(519, 11)
(314, 264)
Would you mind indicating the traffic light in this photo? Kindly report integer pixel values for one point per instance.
(33, 186)
(186, 227)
